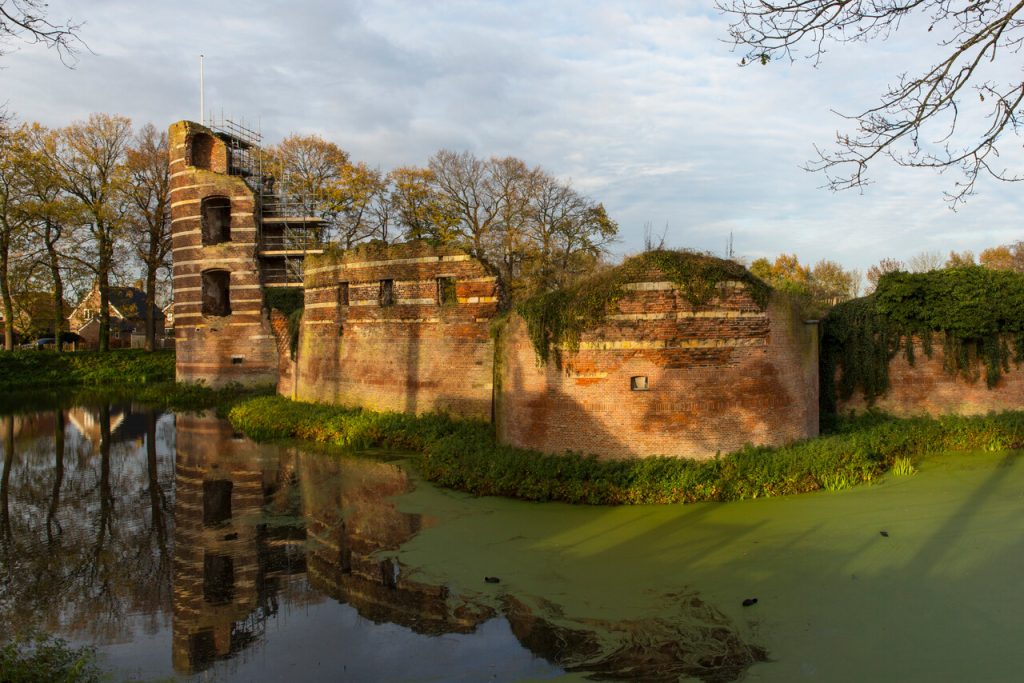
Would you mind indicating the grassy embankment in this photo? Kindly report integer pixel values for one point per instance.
(46, 378)
(463, 454)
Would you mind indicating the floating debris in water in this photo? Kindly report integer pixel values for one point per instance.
(749, 601)
(492, 579)
(884, 533)
(697, 641)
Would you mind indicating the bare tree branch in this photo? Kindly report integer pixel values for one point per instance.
(920, 120)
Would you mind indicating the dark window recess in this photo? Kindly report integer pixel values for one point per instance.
(343, 294)
(237, 360)
(387, 293)
(218, 579)
(445, 291)
(202, 150)
(216, 220)
(638, 383)
(216, 502)
(216, 292)
(202, 649)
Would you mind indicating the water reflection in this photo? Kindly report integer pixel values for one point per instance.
(74, 536)
(253, 523)
(118, 522)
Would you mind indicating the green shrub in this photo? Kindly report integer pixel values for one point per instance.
(463, 454)
(38, 657)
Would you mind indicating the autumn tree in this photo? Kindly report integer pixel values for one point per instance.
(1004, 257)
(148, 195)
(13, 217)
(54, 218)
(786, 274)
(886, 265)
(924, 118)
(832, 284)
(89, 165)
(418, 205)
(960, 259)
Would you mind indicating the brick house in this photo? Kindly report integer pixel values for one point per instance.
(127, 317)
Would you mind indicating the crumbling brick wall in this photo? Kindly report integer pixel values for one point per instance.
(215, 349)
(414, 355)
(717, 376)
(927, 388)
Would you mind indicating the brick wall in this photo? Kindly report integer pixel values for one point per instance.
(239, 347)
(927, 388)
(718, 376)
(414, 355)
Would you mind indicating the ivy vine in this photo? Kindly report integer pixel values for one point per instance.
(559, 317)
(977, 312)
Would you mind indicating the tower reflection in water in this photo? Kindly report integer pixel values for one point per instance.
(260, 526)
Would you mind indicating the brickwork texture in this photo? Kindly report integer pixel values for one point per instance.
(216, 349)
(406, 350)
(927, 388)
(661, 377)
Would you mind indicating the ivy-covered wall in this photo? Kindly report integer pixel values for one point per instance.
(672, 353)
(947, 341)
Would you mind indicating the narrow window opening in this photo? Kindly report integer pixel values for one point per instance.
(216, 293)
(638, 383)
(445, 291)
(218, 579)
(387, 293)
(216, 502)
(237, 360)
(343, 294)
(216, 220)
(202, 150)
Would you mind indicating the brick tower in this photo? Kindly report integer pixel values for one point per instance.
(232, 238)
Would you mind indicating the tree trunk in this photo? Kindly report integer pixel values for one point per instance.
(150, 303)
(58, 473)
(5, 291)
(58, 283)
(103, 281)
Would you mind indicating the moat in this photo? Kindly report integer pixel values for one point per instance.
(182, 549)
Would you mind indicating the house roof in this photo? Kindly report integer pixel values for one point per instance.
(131, 303)
(128, 302)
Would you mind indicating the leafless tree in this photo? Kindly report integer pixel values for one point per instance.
(920, 119)
(26, 21)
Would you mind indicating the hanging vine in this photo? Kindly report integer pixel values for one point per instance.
(978, 312)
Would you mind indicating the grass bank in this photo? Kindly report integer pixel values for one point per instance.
(463, 454)
(31, 370)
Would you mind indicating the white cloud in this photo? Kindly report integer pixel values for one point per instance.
(640, 103)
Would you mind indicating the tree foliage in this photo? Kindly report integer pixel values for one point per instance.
(926, 118)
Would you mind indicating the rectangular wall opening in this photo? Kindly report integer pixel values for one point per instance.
(217, 502)
(387, 293)
(638, 383)
(446, 291)
(218, 579)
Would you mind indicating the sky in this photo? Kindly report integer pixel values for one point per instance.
(641, 105)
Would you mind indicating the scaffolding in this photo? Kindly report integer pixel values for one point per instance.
(288, 227)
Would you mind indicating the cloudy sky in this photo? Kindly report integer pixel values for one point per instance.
(641, 104)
